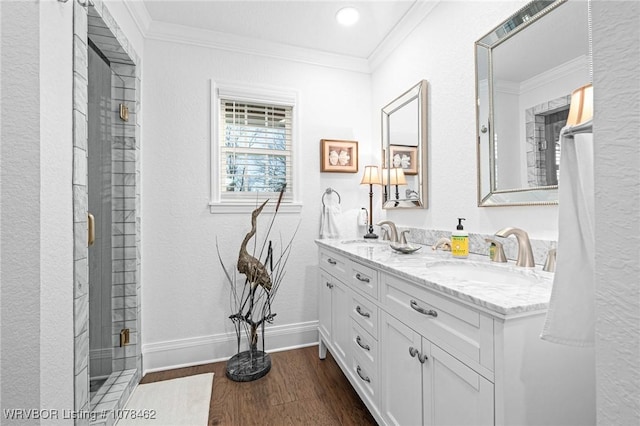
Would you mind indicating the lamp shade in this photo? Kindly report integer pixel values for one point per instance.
(581, 108)
(397, 176)
(371, 176)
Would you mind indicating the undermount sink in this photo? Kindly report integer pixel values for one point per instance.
(462, 270)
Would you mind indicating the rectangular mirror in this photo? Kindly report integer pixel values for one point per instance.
(526, 69)
(404, 147)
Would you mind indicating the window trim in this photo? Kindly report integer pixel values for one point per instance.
(258, 94)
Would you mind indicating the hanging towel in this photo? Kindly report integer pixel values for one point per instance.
(571, 316)
(329, 220)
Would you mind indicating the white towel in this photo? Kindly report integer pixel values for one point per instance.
(571, 316)
(329, 221)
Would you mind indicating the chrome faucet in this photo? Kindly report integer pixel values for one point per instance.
(525, 254)
(392, 229)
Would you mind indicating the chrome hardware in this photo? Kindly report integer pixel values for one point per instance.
(422, 358)
(363, 279)
(359, 342)
(413, 351)
(331, 261)
(364, 314)
(498, 255)
(392, 228)
(525, 254)
(403, 237)
(550, 264)
(329, 285)
(359, 371)
(423, 311)
(385, 234)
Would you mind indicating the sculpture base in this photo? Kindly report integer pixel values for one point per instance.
(246, 367)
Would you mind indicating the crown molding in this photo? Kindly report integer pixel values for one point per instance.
(411, 19)
(581, 63)
(140, 15)
(163, 31)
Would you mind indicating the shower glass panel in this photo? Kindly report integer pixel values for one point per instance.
(104, 90)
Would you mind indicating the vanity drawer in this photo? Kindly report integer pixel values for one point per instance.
(365, 379)
(364, 346)
(462, 331)
(333, 263)
(365, 313)
(364, 279)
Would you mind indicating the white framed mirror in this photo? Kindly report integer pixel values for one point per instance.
(404, 150)
(526, 69)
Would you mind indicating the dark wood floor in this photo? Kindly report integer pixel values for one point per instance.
(300, 389)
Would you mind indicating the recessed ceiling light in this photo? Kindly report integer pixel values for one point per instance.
(347, 16)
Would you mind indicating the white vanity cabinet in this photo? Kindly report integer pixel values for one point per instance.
(426, 385)
(419, 355)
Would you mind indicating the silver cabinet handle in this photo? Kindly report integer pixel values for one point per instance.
(413, 351)
(363, 279)
(359, 342)
(423, 311)
(364, 314)
(329, 285)
(331, 261)
(422, 358)
(359, 371)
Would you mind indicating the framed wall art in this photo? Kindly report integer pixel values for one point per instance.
(405, 157)
(338, 156)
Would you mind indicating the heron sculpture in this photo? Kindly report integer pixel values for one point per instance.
(248, 265)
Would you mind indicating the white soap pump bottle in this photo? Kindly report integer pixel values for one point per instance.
(460, 241)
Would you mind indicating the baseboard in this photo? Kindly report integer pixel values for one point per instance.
(172, 354)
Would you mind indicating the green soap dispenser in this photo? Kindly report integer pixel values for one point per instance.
(460, 241)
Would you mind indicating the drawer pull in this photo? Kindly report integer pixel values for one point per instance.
(329, 285)
(331, 261)
(359, 342)
(359, 371)
(363, 279)
(364, 314)
(413, 351)
(423, 311)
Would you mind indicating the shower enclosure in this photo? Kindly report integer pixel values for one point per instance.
(104, 87)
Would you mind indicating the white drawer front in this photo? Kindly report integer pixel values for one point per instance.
(365, 313)
(364, 346)
(333, 263)
(364, 279)
(365, 380)
(464, 332)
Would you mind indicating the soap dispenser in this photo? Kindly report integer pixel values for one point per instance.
(460, 241)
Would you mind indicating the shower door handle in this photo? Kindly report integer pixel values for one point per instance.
(91, 222)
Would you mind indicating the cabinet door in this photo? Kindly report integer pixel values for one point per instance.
(453, 393)
(324, 304)
(340, 302)
(400, 373)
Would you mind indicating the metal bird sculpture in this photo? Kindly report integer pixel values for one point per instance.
(248, 265)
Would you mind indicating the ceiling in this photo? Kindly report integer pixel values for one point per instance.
(306, 24)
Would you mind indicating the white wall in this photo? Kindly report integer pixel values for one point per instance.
(185, 295)
(616, 43)
(441, 51)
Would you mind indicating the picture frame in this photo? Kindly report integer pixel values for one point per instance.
(405, 157)
(338, 156)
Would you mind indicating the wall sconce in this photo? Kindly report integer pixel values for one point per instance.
(581, 108)
(371, 177)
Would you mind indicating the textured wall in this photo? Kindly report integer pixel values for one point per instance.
(184, 292)
(616, 43)
(441, 50)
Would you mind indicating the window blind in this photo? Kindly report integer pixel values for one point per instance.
(255, 150)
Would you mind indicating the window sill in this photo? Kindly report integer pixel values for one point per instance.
(237, 207)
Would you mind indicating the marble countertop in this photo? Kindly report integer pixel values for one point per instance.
(498, 288)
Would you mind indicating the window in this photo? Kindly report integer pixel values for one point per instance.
(253, 133)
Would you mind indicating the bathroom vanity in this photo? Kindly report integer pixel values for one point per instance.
(426, 339)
